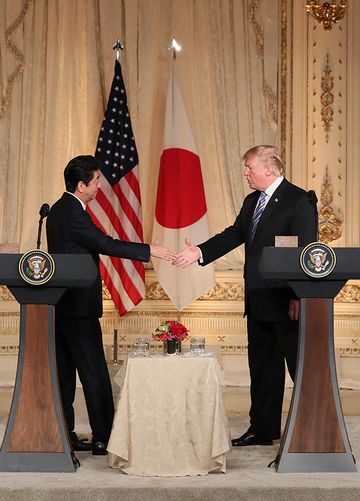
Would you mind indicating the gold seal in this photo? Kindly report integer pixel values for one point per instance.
(36, 267)
(317, 260)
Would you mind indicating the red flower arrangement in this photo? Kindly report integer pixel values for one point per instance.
(170, 330)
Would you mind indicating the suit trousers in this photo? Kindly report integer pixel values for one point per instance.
(79, 347)
(269, 345)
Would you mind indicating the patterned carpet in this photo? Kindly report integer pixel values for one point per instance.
(247, 478)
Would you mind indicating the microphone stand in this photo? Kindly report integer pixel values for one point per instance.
(44, 211)
(39, 232)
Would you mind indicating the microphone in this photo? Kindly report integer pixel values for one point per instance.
(44, 211)
(313, 201)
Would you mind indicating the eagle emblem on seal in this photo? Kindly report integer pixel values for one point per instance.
(317, 260)
(36, 267)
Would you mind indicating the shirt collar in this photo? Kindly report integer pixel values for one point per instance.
(77, 198)
(271, 189)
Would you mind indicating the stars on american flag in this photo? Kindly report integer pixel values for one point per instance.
(116, 124)
(116, 152)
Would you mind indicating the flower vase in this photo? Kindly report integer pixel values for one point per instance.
(172, 347)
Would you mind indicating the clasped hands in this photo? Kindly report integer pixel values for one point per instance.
(183, 259)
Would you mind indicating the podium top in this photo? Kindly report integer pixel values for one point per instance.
(283, 263)
(71, 270)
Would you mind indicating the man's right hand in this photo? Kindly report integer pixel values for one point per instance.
(162, 252)
(187, 256)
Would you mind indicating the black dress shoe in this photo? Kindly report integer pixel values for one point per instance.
(79, 445)
(250, 438)
(99, 448)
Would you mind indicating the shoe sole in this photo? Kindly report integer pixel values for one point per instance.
(251, 445)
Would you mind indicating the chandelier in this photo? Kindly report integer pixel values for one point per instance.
(328, 13)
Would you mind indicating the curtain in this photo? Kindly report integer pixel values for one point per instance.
(56, 66)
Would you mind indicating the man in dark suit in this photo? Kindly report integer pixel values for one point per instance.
(70, 230)
(276, 207)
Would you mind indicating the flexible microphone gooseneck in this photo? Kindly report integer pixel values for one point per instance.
(44, 211)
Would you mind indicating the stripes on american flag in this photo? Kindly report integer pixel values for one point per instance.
(117, 207)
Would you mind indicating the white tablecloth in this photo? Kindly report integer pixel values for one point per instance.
(170, 419)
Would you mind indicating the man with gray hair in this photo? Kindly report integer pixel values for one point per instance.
(275, 207)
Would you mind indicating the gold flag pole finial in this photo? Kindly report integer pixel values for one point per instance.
(118, 46)
(174, 47)
(328, 13)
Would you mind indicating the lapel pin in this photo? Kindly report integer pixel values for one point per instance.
(276, 199)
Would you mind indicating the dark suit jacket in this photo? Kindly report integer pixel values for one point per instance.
(70, 230)
(288, 212)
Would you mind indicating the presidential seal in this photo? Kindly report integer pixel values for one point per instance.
(36, 267)
(317, 260)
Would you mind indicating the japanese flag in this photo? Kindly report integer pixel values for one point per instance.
(180, 204)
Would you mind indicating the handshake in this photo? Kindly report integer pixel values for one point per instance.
(183, 259)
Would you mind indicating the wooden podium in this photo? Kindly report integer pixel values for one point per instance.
(36, 437)
(315, 437)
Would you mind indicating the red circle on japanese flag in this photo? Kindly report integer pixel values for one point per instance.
(180, 199)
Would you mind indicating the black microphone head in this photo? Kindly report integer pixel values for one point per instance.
(312, 197)
(44, 210)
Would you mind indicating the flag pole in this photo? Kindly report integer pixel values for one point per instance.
(118, 46)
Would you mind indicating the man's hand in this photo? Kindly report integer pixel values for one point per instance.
(188, 256)
(162, 252)
(294, 309)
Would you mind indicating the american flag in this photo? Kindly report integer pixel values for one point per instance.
(117, 207)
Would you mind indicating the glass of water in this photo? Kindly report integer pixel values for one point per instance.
(141, 347)
(197, 345)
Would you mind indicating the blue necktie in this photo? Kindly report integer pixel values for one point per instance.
(257, 214)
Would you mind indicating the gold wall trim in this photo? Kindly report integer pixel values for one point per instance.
(9, 350)
(349, 294)
(327, 98)
(327, 13)
(234, 349)
(5, 294)
(350, 352)
(182, 314)
(330, 223)
(283, 78)
(223, 291)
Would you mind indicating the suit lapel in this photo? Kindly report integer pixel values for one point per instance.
(250, 212)
(273, 204)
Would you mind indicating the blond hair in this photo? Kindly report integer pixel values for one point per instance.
(269, 155)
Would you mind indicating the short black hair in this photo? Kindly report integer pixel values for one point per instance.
(80, 168)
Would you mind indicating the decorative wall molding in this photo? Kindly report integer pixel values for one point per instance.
(5, 294)
(327, 13)
(327, 98)
(349, 294)
(9, 350)
(226, 291)
(284, 58)
(330, 223)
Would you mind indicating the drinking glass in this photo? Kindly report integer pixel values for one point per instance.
(197, 345)
(141, 347)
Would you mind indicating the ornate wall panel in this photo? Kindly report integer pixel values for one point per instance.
(323, 120)
(323, 141)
